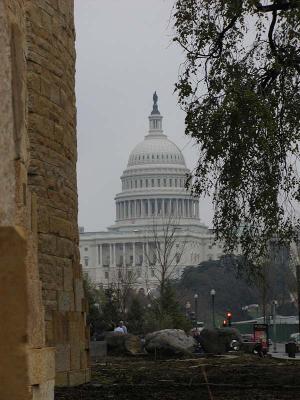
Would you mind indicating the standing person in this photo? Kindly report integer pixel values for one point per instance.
(121, 324)
(119, 328)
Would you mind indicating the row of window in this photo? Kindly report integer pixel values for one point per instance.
(153, 182)
(129, 274)
(161, 156)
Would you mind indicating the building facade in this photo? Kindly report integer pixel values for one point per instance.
(157, 223)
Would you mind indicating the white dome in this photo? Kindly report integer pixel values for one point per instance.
(156, 149)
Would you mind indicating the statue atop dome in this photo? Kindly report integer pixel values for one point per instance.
(155, 106)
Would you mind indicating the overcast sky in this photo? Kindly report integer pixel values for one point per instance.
(124, 53)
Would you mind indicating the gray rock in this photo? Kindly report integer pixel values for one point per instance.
(170, 342)
(119, 343)
(217, 341)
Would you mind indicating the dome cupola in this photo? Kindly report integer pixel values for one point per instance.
(156, 148)
(153, 183)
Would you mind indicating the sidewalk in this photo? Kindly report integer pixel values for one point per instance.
(281, 353)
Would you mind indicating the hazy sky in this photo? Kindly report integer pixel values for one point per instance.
(124, 53)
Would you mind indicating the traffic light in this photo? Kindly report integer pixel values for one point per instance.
(228, 318)
(225, 323)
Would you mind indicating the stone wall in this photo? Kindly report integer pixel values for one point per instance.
(52, 176)
(27, 368)
(40, 274)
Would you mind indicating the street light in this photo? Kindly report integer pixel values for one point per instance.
(213, 293)
(274, 304)
(187, 308)
(196, 307)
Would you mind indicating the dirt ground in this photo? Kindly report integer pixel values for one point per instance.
(214, 378)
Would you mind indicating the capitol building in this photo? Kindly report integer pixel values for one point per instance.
(157, 226)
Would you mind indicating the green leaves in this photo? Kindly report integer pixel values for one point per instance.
(240, 89)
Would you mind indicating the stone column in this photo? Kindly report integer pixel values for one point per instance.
(110, 255)
(144, 254)
(117, 210)
(124, 254)
(147, 250)
(177, 208)
(155, 207)
(114, 250)
(129, 208)
(133, 254)
(149, 208)
(142, 208)
(99, 254)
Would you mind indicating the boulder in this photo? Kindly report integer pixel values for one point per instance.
(170, 342)
(119, 343)
(217, 341)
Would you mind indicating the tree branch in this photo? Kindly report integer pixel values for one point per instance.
(283, 5)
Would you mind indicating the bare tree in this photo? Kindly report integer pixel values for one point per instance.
(164, 250)
(122, 283)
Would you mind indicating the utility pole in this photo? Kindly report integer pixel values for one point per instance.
(298, 293)
(196, 307)
(274, 304)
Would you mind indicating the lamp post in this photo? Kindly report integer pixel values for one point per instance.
(213, 293)
(196, 307)
(274, 304)
(187, 309)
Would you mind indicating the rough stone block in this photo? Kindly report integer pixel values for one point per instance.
(62, 358)
(61, 328)
(68, 278)
(75, 356)
(47, 243)
(77, 377)
(84, 359)
(62, 379)
(64, 248)
(49, 337)
(41, 364)
(88, 375)
(79, 294)
(43, 391)
(65, 301)
(61, 227)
